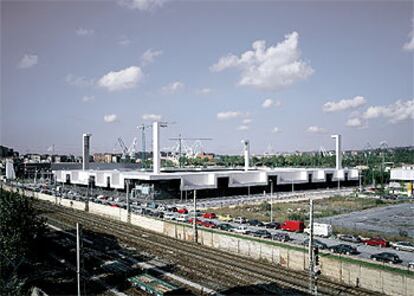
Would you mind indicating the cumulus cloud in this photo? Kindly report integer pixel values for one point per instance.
(316, 130)
(409, 46)
(149, 56)
(79, 81)
(110, 118)
(84, 32)
(341, 105)
(396, 112)
(88, 99)
(243, 128)
(204, 91)
(355, 122)
(172, 87)
(271, 68)
(270, 103)
(247, 121)
(152, 117)
(229, 115)
(142, 5)
(28, 61)
(275, 130)
(123, 79)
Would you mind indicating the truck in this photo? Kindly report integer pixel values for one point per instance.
(320, 229)
(293, 226)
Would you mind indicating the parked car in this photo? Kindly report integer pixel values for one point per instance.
(403, 246)
(293, 226)
(242, 229)
(376, 241)
(320, 229)
(282, 237)
(209, 215)
(272, 225)
(386, 257)
(197, 213)
(225, 226)
(208, 224)
(225, 218)
(349, 238)
(240, 220)
(182, 211)
(411, 265)
(316, 243)
(197, 221)
(169, 216)
(255, 222)
(261, 233)
(182, 217)
(344, 249)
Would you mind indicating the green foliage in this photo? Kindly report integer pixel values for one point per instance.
(297, 216)
(264, 206)
(20, 233)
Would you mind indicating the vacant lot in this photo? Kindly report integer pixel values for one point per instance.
(300, 210)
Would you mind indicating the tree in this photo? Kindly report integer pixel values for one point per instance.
(20, 234)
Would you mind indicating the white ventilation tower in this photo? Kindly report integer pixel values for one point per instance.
(338, 151)
(156, 157)
(85, 151)
(10, 175)
(246, 145)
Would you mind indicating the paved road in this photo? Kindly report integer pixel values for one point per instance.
(390, 219)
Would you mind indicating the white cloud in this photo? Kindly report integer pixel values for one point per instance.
(123, 79)
(142, 5)
(396, 112)
(88, 99)
(271, 68)
(152, 117)
(28, 61)
(355, 122)
(84, 32)
(229, 115)
(316, 130)
(275, 130)
(172, 87)
(409, 46)
(149, 56)
(270, 103)
(110, 118)
(243, 128)
(341, 105)
(204, 91)
(78, 81)
(247, 121)
(124, 41)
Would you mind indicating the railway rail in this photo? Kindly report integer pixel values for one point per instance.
(214, 264)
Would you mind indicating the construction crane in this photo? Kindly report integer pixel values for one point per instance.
(123, 148)
(180, 140)
(143, 127)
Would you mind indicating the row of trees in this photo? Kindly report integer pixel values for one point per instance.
(21, 231)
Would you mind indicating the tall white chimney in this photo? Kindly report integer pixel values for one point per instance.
(156, 157)
(246, 154)
(338, 151)
(85, 151)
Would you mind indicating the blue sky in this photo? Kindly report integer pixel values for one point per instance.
(284, 75)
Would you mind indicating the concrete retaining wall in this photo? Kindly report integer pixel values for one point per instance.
(351, 274)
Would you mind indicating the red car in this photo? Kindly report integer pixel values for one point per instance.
(376, 241)
(209, 216)
(208, 224)
(182, 211)
(197, 221)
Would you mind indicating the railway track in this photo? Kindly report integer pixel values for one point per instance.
(230, 268)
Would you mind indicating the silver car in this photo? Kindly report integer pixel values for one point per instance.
(403, 246)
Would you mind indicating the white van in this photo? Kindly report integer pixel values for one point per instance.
(169, 216)
(320, 229)
(182, 218)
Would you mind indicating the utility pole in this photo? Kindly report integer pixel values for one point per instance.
(195, 217)
(78, 255)
(127, 201)
(271, 200)
(313, 289)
